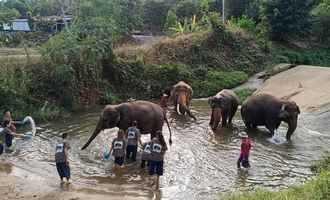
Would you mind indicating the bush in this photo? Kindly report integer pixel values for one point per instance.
(216, 81)
(319, 57)
(244, 22)
(244, 93)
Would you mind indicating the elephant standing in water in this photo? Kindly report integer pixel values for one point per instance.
(149, 116)
(181, 95)
(270, 111)
(224, 106)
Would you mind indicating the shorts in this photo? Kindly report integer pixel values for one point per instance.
(131, 150)
(244, 160)
(119, 161)
(156, 167)
(1, 148)
(63, 170)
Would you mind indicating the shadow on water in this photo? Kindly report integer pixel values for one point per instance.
(198, 165)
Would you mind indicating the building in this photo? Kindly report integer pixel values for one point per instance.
(17, 25)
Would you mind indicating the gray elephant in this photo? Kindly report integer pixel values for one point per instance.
(181, 95)
(149, 116)
(224, 106)
(267, 110)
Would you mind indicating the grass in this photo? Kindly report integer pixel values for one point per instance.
(318, 188)
(244, 93)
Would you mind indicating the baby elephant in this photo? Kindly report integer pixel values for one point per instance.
(224, 106)
(267, 110)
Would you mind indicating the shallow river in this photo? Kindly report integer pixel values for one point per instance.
(199, 165)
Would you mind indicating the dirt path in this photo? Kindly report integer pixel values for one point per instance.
(308, 86)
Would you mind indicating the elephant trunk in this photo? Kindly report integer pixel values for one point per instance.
(216, 115)
(98, 129)
(292, 127)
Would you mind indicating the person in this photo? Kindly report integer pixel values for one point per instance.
(62, 160)
(245, 151)
(158, 149)
(2, 140)
(8, 133)
(163, 101)
(7, 117)
(133, 137)
(146, 154)
(118, 148)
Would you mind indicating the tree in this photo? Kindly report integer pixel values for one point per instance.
(171, 20)
(236, 8)
(322, 22)
(287, 17)
(22, 6)
(6, 14)
(154, 15)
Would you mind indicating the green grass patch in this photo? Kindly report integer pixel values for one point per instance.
(320, 57)
(244, 93)
(216, 81)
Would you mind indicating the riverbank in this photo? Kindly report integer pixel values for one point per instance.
(318, 188)
(308, 86)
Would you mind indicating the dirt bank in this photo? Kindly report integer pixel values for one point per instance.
(308, 86)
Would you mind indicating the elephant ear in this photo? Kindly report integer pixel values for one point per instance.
(211, 102)
(283, 114)
(111, 117)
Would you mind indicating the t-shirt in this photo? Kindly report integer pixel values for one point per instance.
(119, 147)
(245, 147)
(146, 151)
(157, 151)
(60, 149)
(133, 134)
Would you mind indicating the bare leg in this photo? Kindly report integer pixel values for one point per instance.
(157, 182)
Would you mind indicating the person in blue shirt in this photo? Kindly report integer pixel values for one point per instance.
(61, 159)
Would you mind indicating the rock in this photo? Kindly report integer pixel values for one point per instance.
(308, 86)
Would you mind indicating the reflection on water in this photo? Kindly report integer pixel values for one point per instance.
(198, 165)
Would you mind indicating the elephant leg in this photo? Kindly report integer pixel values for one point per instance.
(271, 129)
(232, 114)
(190, 114)
(224, 119)
(212, 118)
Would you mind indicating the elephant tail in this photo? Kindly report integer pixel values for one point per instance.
(169, 128)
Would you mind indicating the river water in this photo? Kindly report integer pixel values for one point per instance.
(199, 165)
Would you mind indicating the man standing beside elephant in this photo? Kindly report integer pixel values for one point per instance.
(133, 137)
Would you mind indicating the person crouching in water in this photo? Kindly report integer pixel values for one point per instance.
(133, 137)
(62, 160)
(245, 151)
(158, 149)
(9, 134)
(146, 154)
(118, 148)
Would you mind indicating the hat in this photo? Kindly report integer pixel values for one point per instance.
(243, 135)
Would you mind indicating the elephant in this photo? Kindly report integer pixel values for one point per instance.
(224, 106)
(150, 118)
(267, 110)
(181, 95)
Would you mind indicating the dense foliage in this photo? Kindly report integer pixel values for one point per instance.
(81, 65)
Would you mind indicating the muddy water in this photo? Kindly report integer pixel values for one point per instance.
(198, 165)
